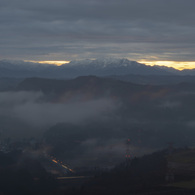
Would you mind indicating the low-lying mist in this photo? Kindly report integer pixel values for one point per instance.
(30, 109)
(88, 120)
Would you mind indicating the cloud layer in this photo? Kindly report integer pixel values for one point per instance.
(66, 30)
(29, 108)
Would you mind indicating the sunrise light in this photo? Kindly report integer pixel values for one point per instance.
(173, 64)
(58, 63)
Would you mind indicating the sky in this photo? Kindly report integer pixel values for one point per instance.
(150, 31)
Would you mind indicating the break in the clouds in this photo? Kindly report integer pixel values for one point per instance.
(70, 29)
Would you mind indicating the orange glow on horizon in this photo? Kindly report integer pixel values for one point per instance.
(58, 63)
(173, 64)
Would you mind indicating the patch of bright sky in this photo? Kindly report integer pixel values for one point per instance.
(58, 63)
(173, 64)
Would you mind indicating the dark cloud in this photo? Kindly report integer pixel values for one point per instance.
(65, 30)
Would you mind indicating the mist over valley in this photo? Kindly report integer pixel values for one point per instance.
(87, 119)
(104, 126)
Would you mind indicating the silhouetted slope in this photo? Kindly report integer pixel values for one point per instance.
(83, 83)
(21, 174)
(8, 83)
(155, 79)
(144, 175)
(95, 85)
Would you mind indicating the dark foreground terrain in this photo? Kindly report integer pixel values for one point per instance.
(159, 173)
(69, 137)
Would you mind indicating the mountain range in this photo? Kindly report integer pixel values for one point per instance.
(98, 67)
(87, 119)
(153, 114)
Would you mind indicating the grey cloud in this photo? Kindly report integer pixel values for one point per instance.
(49, 30)
(46, 114)
(171, 104)
(30, 108)
(110, 9)
(8, 100)
(191, 124)
(21, 97)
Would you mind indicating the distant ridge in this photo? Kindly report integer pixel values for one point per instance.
(111, 66)
(92, 84)
(98, 67)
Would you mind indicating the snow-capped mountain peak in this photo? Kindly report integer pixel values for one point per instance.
(103, 62)
(98, 67)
